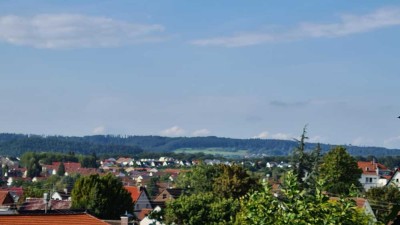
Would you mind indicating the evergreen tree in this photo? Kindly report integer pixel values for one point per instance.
(61, 169)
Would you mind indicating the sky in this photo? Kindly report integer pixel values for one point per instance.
(240, 69)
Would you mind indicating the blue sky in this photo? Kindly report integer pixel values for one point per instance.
(197, 68)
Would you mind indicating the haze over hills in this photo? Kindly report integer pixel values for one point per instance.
(17, 144)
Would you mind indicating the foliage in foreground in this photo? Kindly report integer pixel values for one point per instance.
(104, 197)
(295, 206)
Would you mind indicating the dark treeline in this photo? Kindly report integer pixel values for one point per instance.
(17, 144)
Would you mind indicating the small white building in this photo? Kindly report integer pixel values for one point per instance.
(373, 174)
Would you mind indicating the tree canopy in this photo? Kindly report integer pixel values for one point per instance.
(297, 206)
(103, 196)
(340, 171)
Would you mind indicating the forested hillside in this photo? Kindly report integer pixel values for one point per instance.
(16, 144)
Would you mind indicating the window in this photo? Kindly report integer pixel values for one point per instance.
(164, 196)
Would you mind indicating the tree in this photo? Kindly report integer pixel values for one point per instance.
(205, 208)
(61, 169)
(297, 206)
(384, 202)
(104, 197)
(340, 171)
(233, 181)
(199, 180)
(305, 164)
(152, 187)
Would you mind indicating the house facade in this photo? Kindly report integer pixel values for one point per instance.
(373, 174)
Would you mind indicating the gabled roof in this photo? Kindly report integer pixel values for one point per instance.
(134, 191)
(6, 198)
(46, 219)
(370, 167)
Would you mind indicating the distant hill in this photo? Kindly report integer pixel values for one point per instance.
(17, 144)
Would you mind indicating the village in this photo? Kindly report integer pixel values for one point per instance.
(150, 182)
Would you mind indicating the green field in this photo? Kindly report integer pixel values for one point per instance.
(214, 151)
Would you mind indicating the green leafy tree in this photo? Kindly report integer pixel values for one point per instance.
(199, 179)
(104, 197)
(297, 206)
(233, 181)
(384, 202)
(340, 170)
(205, 208)
(61, 169)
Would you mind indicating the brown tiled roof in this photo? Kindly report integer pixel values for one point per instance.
(6, 198)
(50, 219)
(38, 204)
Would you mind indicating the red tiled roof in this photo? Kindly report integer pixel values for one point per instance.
(135, 192)
(370, 167)
(71, 167)
(46, 219)
(143, 213)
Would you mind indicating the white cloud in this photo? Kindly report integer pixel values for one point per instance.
(282, 136)
(173, 131)
(55, 31)
(201, 132)
(392, 142)
(99, 130)
(347, 25)
(262, 135)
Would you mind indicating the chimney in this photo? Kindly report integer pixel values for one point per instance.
(125, 218)
(45, 195)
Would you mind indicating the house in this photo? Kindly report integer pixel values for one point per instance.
(169, 194)
(140, 199)
(373, 174)
(395, 179)
(70, 168)
(50, 218)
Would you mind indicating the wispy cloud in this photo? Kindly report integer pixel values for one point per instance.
(201, 132)
(262, 135)
(289, 104)
(280, 136)
(99, 130)
(55, 31)
(173, 131)
(348, 24)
